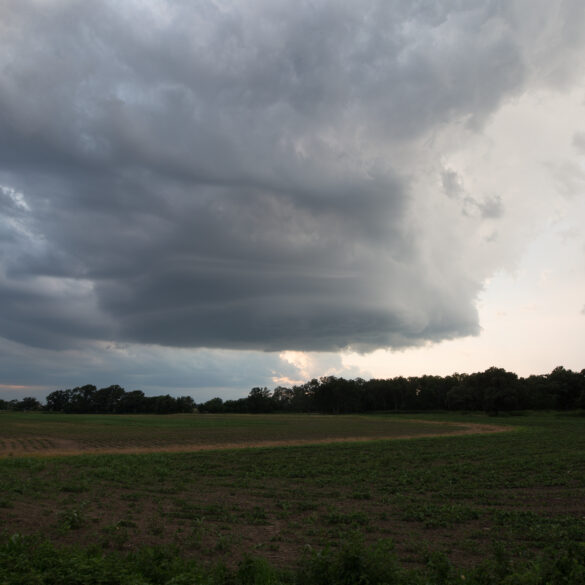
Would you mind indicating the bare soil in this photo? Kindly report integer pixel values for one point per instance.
(51, 446)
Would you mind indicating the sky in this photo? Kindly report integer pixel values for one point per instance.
(199, 197)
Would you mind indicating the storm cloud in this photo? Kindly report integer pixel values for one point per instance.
(260, 175)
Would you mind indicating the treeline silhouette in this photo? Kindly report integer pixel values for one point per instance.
(492, 391)
(495, 390)
(113, 399)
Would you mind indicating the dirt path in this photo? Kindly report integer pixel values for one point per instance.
(31, 447)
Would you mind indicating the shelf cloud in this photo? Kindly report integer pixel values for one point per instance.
(263, 175)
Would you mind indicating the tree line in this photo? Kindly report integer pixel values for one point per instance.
(495, 390)
(111, 400)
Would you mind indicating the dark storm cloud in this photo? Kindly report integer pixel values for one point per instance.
(241, 176)
(201, 373)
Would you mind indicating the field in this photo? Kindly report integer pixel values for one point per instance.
(454, 500)
(54, 434)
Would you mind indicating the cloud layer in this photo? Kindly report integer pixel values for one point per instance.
(262, 175)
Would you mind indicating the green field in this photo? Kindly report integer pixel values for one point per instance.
(504, 507)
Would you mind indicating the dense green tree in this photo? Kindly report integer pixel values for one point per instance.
(238, 406)
(337, 395)
(302, 397)
(214, 405)
(400, 388)
(132, 402)
(282, 398)
(164, 404)
(376, 395)
(260, 400)
(82, 399)
(493, 390)
(106, 400)
(461, 397)
(500, 390)
(185, 404)
(537, 393)
(566, 386)
(27, 403)
(59, 401)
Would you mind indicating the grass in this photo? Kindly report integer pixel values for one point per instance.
(505, 504)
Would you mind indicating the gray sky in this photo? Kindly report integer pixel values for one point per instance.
(200, 197)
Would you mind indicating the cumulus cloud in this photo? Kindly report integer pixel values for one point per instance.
(263, 175)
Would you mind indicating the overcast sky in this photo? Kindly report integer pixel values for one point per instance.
(198, 197)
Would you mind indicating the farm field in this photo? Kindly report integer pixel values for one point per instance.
(494, 507)
(50, 434)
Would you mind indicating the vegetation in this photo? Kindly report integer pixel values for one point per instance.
(353, 564)
(113, 399)
(492, 391)
(494, 508)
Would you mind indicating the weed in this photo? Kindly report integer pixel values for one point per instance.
(116, 535)
(223, 543)
(439, 516)
(74, 488)
(72, 519)
(335, 517)
(156, 527)
(361, 495)
(525, 488)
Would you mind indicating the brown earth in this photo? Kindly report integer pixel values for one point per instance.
(49, 446)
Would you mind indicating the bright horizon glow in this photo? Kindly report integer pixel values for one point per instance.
(532, 316)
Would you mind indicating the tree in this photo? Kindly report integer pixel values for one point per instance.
(500, 390)
(338, 395)
(431, 392)
(567, 386)
(282, 398)
(185, 404)
(162, 404)
(238, 406)
(581, 401)
(376, 395)
(537, 393)
(28, 403)
(398, 390)
(260, 400)
(214, 405)
(498, 399)
(82, 399)
(302, 397)
(460, 397)
(106, 400)
(59, 401)
(132, 402)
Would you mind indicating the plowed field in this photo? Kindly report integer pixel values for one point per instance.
(50, 434)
